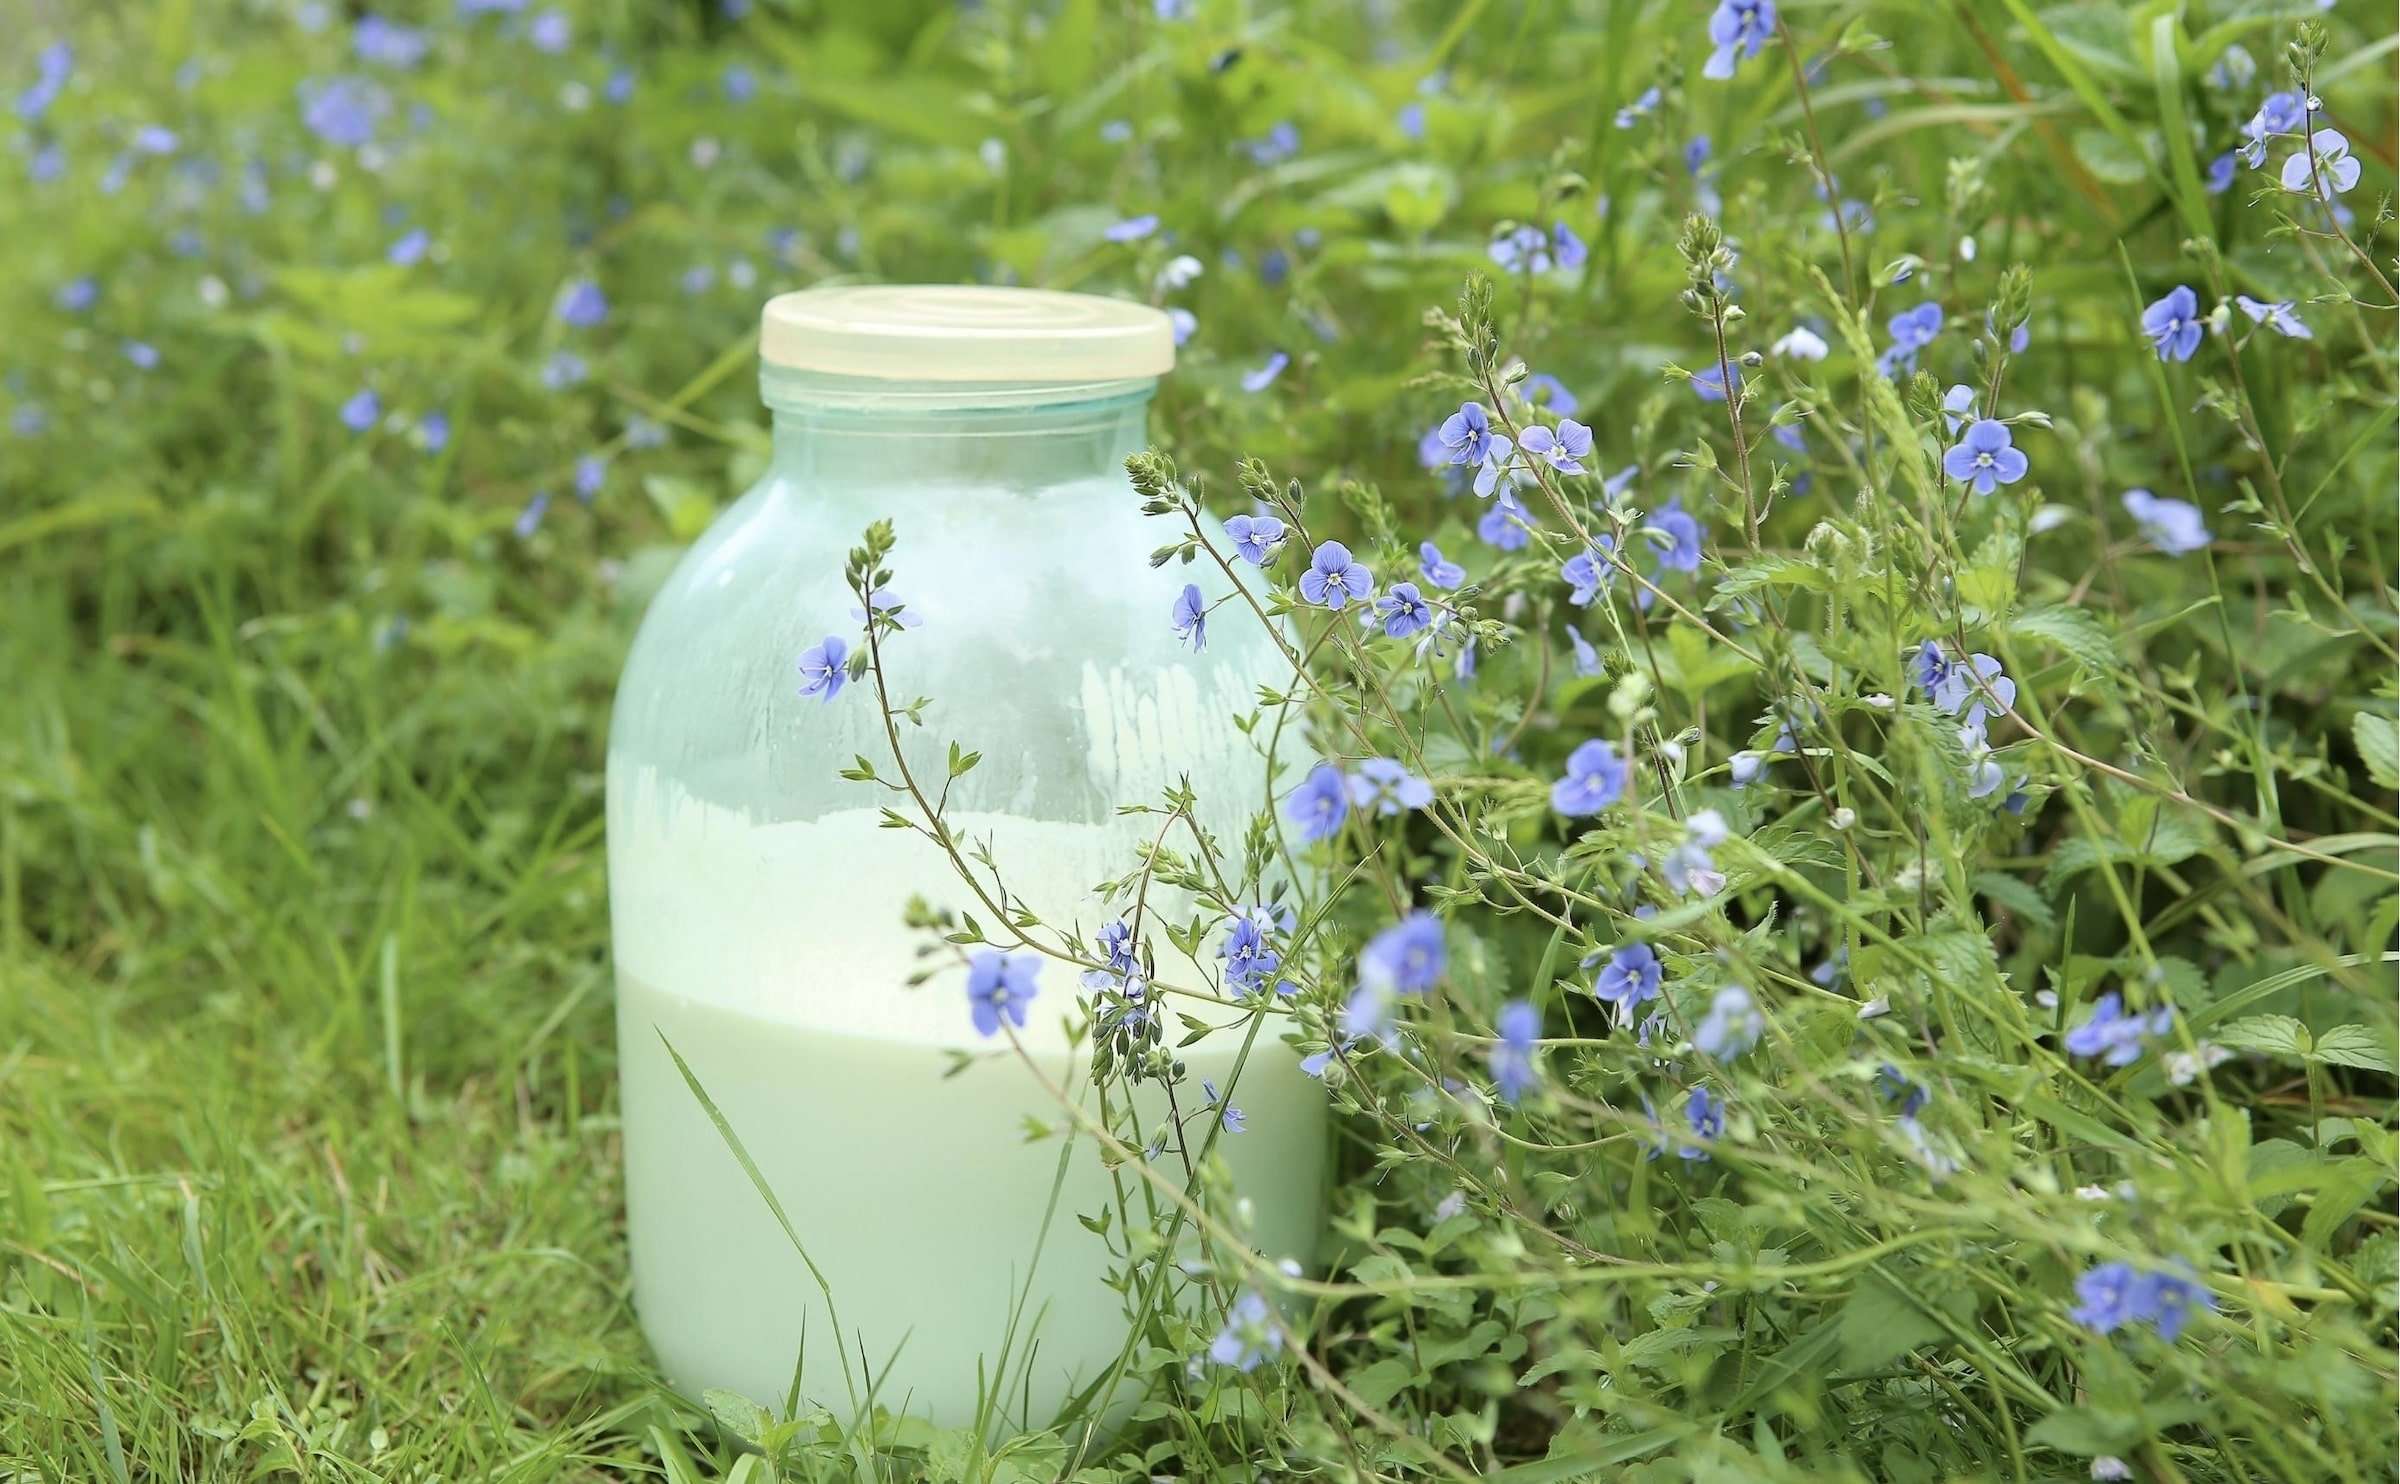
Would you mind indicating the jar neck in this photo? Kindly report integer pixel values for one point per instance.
(897, 434)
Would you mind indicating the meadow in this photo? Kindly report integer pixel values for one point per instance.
(1850, 905)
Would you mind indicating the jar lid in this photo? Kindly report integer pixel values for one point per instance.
(964, 332)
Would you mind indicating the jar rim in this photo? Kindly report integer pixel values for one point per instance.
(802, 393)
(964, 333)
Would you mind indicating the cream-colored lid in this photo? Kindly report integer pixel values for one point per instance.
(964, 332)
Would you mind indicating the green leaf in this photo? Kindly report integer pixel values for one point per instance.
(2378, 739)
(2277, 1035)
(2070, 629)
(1993, 590)
(737, 1414)
(2088, 1431)
(2019, 898)
(2353, 1046)
(1769, 570)
(1880, 1323)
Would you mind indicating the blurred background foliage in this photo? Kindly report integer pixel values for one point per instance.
(306, 1143)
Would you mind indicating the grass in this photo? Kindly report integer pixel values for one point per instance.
(309, 1155)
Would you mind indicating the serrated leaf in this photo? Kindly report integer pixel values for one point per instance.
(2378, 739)
(1576, 1359)
(2017, 897)
(1655, 1347)
(1768, 570)
(2352, 1046)
(2079, 635)
(2277, 1035)
(1991, 589)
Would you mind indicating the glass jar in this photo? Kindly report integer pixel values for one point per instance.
(758, 904)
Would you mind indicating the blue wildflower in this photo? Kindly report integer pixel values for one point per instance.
(1520, 1026)
(1190, 617)
(433, 431)
(1985, 457)
(1507, 524)
(2277, 317)
(77, 294)
(1408, 956)
(1732, 1025)
(1928, 668)
(342, 111)
(1587, 659)
(821, 668)
(362, 410)
(1958, 408)
(1382, 786)
(1404, 610)
(1435, 570)
(1264, 377)
(1736, 31)
(1632, 112)
(591, 475)
(582, 305)
(1681, 550)
(1564, 450)
(1469, 437)
(999, 985)
(2171, 526)
(2281, 113)
(1708, 383)
(1334, 577)
(739, 84)
(1891, 1083)
(1255, 537)
(1320, 803)
(2114, 1036)
(1250, 959)
(1368, 1015)
(529, 519)
(1132, 228)
(1115, 947)
(1912, 330)
(1530, 249)
(2115, 1295)
(1547, 392)
(53, 66)
(1689, 867)
(1251, 1334)
(409, 249)
(2325, 166)
(1706, 1117)
(564, 369)
(1588, 571)
(1595, 779)
(1979, 687)
(387, 43)
(550, 32)
(1280, 144)
(1630, 980)
(2220, 173)
(2173, 324)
